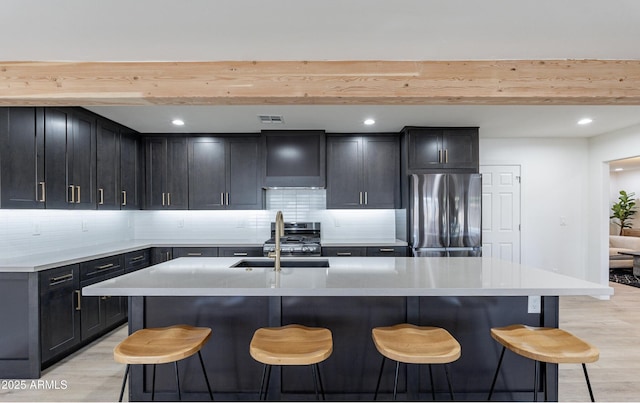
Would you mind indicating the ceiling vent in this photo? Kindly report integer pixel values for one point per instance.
(269, 119)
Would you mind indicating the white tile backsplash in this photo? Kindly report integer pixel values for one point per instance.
(24, 232)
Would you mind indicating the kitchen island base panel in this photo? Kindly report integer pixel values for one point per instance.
(352, 370)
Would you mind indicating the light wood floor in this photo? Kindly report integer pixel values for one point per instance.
(613, 326)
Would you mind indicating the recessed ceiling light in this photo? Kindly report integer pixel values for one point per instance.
(618, 169)
(585, 121)
(178, 122)
(369, 122)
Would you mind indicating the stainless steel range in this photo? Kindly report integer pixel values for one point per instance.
(300, 239)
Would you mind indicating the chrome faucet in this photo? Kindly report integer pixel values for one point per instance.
(278, 234)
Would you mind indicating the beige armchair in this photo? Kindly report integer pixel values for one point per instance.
(622, 244)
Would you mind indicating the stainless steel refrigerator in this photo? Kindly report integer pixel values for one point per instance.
(445, 214)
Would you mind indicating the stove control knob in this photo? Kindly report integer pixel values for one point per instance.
(306, 249)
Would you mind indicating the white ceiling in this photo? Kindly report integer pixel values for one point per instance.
(202, 30)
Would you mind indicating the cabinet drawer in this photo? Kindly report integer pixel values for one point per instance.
(195, 252)
(239, 252)
(137, 260)
(399, 251)
(101, 269)
(58, 278)
(344, 252)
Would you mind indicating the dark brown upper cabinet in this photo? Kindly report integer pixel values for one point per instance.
(224, 173)
(22, 181)
(166, 173)
(363, 172)
(442, 149)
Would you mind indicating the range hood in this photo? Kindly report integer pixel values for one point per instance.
(294, 159)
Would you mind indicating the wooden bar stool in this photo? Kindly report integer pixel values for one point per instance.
(291, 345)
(412, 344)
(547, 345)
(160, 346)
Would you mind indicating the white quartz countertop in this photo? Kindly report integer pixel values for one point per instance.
(63, 257)
(347, 276)
(49, 260)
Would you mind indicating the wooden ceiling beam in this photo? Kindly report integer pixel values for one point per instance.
(504, 82)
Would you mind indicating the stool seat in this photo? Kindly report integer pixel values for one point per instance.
(416, 344)
(291, 345)
(161, 345)
(544, 344)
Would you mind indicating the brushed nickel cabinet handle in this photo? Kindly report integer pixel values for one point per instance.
(133, 259)
(78, 300)
(227, 198)
(105, 266)
(387, 250)
(194, 254)
(360, 197)
(222, 199)
(124, 197)
(73, 194)
(42, 192)
(100, 196)
(446, 156)
(163, 198)
(240, 253)
(78, 188)
(168, 199)
(366, 198)
(56, 280)
(343, 253)
(440, 156)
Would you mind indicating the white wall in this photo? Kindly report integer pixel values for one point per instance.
(554, 183)
(602, 149)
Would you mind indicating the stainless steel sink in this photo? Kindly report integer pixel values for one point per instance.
(283, 263)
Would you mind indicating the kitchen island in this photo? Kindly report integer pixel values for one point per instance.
(467, 296)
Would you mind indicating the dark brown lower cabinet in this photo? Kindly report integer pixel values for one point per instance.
(60, 302)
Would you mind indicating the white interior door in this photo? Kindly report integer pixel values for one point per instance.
(501, 211)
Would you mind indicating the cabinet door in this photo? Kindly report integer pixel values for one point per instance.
(108, 166)
(115, 310)
(92, 316)
(244, 186)
(22, 158)
(59, 311)
(344, 172)
(461, 148)
(425, 148)
(159, 255)
(81, 151)
(177, 174)
(56, 125)
(130, 169)
(156, 173)
(381, 172)
(207, 187)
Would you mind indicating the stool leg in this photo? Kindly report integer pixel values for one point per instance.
(495, 376)
(124, 381)
(544, 381)
(153, 383)
(535, 380)
(206, 378)
(320, 381)
(446, 372)
(586, 377)
(264, 376)
(395, 382)
(315, 380)
(175, 364)
(433, 389)
(375, 396)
